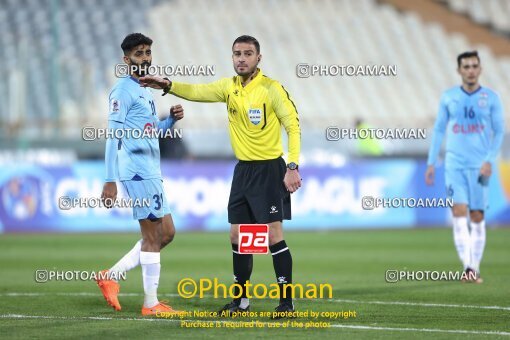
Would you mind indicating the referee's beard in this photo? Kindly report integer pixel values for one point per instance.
(248, 73)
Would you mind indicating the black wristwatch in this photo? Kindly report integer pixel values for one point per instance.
(292, 166)
(167, 89)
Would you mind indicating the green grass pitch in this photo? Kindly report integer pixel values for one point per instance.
(353, 262)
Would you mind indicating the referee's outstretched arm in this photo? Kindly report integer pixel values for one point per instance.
(206, 93)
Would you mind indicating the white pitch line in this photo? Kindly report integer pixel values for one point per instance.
(428, 330)
(399, 303)
(77, 294)
(419, 304)
(376, 328)
(53, 317)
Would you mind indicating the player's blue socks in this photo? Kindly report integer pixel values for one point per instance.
(243, 266)
(282, 262)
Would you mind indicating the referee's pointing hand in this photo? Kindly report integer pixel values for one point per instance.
(292, 180)
(153, 82)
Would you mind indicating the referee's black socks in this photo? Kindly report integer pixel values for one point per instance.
(282, 262)
(243, 266)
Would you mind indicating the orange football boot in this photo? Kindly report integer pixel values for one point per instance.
(109, 288)
(161, 307)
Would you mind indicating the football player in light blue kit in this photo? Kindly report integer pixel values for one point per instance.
(136, 163)
(472, 117)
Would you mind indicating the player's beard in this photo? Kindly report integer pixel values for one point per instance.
(141, 69)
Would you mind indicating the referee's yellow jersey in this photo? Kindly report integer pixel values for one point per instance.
(255, 114)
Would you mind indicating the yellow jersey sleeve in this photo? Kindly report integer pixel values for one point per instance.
(286, 112)
(207, 93)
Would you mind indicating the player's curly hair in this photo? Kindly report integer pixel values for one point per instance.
(248, 39)
(465, 55)
(134, 39)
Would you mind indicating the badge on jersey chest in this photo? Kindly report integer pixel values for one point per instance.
(255, 115)
(482, 101)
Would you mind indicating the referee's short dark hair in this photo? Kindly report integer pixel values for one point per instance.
(134, 39)
(248, 39)
(465, 55)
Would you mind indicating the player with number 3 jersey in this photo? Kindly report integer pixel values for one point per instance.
(134, 160)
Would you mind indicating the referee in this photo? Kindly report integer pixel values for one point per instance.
(260, 193)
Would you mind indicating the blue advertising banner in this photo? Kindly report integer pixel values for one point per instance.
(197, 192)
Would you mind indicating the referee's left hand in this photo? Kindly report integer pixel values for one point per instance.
(292, 180)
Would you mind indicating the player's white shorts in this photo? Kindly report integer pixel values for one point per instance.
(465, 186)
(151, 191)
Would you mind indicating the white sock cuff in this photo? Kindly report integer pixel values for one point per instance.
(245, 302)
(149, 257)
(461, 219)
(480, 224)
(138, 245)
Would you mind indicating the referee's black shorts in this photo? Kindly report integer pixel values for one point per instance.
(258, 194)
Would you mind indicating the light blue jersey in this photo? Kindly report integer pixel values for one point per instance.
(474, 133)
(132, 108)
(134, 158)
(474, 128)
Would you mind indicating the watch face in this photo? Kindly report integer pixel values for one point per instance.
(292, 166)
